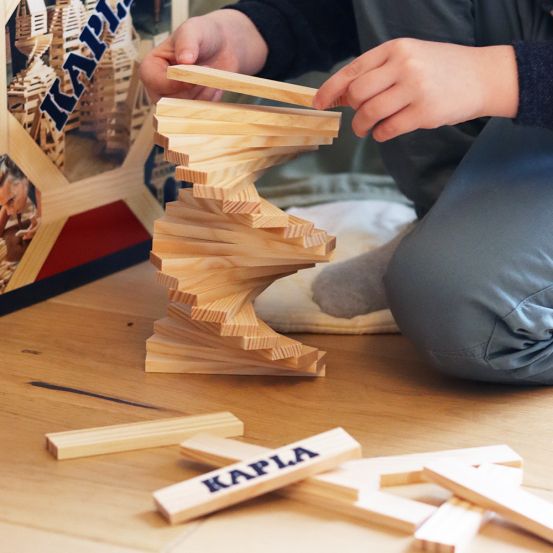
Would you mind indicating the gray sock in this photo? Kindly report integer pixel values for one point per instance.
(355, 287)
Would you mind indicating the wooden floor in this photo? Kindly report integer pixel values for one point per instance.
(77, 361)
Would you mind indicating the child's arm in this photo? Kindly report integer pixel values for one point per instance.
(278, 39)
(303, 35)
(407, 84)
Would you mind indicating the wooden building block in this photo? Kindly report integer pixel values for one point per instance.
(196, 143)
(211, 173)
(530, 512)
(187, 156)
(255, 476)
(220, 245)
(453, 526)
(335, 490)
(170, 364)
(175, 125)
(139, 435)
(245, 113)
(243, 84)
(398, 470)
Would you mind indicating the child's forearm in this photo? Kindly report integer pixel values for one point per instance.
(303, 35)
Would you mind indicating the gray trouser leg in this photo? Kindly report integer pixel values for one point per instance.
(423, 162)
(472, 285)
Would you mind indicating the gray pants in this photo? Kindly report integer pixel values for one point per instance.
(423, 162)
(472, 285)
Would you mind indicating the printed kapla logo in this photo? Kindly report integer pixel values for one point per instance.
(56, 103)
(259, 468)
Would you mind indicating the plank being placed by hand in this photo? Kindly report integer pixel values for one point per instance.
(139, 435)
(518, 506)
(255, 476)
(243, 84)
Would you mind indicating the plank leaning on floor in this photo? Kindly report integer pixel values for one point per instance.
(520, 507)
(256, 476)
(457, 521)
(140, 435)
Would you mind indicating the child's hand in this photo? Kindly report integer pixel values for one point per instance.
(224, 39)
(406, 84)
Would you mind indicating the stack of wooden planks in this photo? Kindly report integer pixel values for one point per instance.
(220, 244)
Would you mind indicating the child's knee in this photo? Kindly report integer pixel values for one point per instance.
(447, 313)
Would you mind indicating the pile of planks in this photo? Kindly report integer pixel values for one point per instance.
(327, 470)
(220, 244)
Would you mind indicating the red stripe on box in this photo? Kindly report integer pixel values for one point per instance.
(93, 235)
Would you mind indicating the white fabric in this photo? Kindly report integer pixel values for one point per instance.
(359, 226)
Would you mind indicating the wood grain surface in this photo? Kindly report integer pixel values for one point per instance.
(77, 361)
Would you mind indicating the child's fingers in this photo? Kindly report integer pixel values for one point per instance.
(336, 86)
(208, 94)
(187, 41)
(369, 85)
(379, 108)
(400, 123)
(153, 72)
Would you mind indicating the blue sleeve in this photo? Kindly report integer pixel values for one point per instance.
(303, 35)
(535, 74)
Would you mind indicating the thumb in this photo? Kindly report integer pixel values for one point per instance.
(187, 40)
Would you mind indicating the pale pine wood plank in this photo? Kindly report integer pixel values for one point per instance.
(243, 84)
(36, 254)
(191, 499)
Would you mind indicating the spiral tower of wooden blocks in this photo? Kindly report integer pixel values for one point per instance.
(220, 245)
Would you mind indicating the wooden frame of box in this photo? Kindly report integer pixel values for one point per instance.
(60, 198)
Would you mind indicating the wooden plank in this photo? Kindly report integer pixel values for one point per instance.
(92, 192)
(243, 84)
(248, 113)
(455, 524)
(225, 190)
(255, 476)
(244, 201)
(270, 216)
(166, 364)
(139, 435)
(213, 173)
(518, 506)
(142, 146)
(174, 125)
(36, 165)
(196, 237)
(196, 143)
(188, 341)
(334, 490)
(36, 254)
(398, 470)
(183, 156)
(187, 280)
(145, 207)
